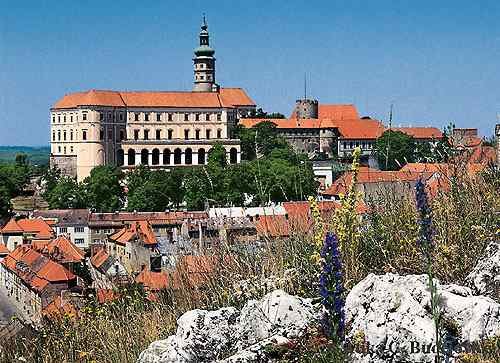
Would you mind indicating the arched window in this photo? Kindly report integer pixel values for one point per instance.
(188, 155)
(166, 157)
(120, 157)
(177, 156)
(144, 156)
(131, 157)
(233, 156)
(155, 157)
(201, 156)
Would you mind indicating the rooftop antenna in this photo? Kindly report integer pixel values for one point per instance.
(305, 86)
(389, 137)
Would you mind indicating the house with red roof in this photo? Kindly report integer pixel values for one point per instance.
(372, 183)
(25, 230)
(134, 246)
(331, 129)
(34, 280)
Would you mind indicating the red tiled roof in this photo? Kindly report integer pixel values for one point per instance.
(105, 295)
(35, 226)
(368, 175)
(272, 226)
(60, 307)
(226, 98)
(12, 227)
(3, 249)
(360, 129)
(421, 132)
(61, 249)
(235, 97)
(140, 229)
(153, 280)
(334, 112)
(99, 258)
(35, 269)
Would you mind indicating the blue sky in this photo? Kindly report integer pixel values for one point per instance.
(437, 61)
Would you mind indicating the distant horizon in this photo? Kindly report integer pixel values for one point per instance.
(436, 62)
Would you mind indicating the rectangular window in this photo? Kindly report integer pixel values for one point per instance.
(170, 117)
(158, 134)
(71, 118)
(58, 118)
(79, 229)
(122, 135)
(65, 150)
(146, 117)
(53, 136)
(186, 134)
(110, 134)
(136, 117)
(158, 117)
(136, 134)
(219, 117)
(109, 116)
(197, 117)
(186, 117)
(197, 134)
(79, 241)
(84, 117)
(146, 134)
(121, 116)
(207, 134)
(101, 116)
(64, 135)
(84, 135)
(53, 119)
(219, 134)
(63, 230)
(64, 118)
(170, 132)
(71, 149)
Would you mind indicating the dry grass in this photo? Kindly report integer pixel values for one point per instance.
(465, 219)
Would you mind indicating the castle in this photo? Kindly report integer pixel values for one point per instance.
(160, 129)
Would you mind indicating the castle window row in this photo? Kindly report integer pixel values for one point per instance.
(170, 134)
(168, 116)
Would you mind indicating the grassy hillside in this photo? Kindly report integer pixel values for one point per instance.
(38, 155)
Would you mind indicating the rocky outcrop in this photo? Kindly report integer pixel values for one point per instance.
(485, 277)
(210, 336)
(389, 318)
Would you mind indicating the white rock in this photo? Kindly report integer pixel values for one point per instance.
(210, 336)
(202, 336)
(392, 312)
(485, 277)
(276, 314)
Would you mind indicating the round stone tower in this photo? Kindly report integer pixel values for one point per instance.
(306, 108)
(204, 63)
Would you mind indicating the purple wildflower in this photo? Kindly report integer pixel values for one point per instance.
(331, 289)
(424, 210)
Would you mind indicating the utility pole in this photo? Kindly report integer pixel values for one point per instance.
(388, 137)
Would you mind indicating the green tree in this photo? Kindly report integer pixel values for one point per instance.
(66, 193)
(153, 190)
(394, 149)
(104, 190)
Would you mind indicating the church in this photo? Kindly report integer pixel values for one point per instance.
(161, 129)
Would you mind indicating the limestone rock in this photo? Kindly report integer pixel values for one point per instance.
(202, 336)
(390, 314)
(485, 277)
(276, 314)
(210, 336)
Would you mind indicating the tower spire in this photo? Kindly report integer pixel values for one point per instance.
(204, 62)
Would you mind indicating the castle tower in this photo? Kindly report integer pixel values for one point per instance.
(204, 63)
